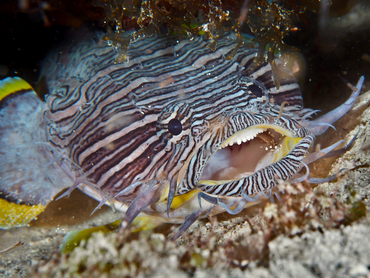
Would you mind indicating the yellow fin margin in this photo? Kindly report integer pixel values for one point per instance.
(12, 85)
(178, 200)
(16, 215)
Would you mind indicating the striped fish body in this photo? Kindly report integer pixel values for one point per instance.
(176, 122)
(112, 119)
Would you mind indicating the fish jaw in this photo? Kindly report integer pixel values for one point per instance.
(244, 157)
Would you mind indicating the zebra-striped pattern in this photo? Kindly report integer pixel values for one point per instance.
(261, 180)
(111, 119)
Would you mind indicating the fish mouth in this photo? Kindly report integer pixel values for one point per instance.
(246, 152)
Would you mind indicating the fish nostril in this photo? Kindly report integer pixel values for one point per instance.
(175, 127)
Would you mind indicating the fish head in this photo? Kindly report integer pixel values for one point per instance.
(245, 152)
(230, 151)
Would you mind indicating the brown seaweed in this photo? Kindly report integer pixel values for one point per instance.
(269, 23)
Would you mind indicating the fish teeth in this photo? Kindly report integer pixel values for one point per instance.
(243, 136)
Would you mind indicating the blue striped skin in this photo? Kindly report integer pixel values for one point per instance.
(108, 124)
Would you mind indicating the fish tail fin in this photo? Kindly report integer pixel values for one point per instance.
(29, 179)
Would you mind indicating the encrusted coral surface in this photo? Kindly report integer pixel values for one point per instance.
(334, 253)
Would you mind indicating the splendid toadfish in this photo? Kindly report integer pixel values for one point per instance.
(177, 131)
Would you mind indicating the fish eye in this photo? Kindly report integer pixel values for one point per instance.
(256, 90)
(175, 127)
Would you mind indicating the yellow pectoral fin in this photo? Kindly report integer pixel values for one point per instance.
(181, 199)
(17, 215)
